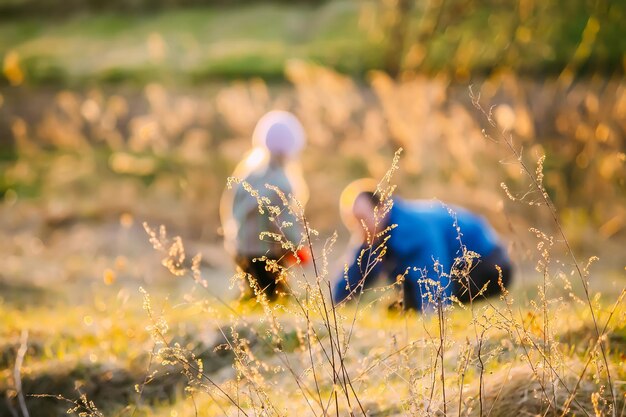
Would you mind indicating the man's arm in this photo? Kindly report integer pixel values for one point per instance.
(428, 277)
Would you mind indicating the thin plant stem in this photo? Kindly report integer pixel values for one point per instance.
(553, 212)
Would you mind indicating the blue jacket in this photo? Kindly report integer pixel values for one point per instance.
(424, 244)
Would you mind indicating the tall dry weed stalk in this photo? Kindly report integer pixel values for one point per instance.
(326, 382)
(537, 194)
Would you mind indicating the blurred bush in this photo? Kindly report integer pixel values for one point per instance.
(22, 8)
(175, 43)
(467, 37)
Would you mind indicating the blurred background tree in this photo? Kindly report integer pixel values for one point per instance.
(464, 38)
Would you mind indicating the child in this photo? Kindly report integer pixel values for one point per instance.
(277, 140)
(429, 243)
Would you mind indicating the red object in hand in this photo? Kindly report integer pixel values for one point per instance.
(303, 255)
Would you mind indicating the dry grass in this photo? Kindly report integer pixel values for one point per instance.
(203, 354)
(516, 391)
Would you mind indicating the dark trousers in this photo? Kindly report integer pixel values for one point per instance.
(269, 281)
(482, 271)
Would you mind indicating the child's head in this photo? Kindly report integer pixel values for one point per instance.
(357, 203)
(280, 133)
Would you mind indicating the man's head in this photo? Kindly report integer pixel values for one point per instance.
(358, 204)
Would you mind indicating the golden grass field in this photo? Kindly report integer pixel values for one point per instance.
(87, 307)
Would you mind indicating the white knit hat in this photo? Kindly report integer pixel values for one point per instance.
(280, 132)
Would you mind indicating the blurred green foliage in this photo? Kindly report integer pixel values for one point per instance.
(12, 8)
(463, 38)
